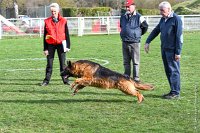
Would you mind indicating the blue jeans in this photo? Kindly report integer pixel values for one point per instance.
(131, 51)
(172, 70)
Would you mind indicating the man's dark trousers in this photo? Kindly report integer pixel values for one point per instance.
(50, 58)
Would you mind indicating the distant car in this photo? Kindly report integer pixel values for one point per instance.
(24, 18)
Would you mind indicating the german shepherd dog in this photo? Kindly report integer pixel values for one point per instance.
(89, 73)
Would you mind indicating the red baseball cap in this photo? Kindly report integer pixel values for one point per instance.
(129, 2)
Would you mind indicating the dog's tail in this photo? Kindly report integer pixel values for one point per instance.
(143, 86)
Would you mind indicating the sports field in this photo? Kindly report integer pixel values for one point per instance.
(26, 107)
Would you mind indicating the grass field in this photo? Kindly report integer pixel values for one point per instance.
(26, 107)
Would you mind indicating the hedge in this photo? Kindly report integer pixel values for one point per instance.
(185, 11)
(144, 11)
(84, 11)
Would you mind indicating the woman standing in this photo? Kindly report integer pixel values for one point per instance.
(55, 35)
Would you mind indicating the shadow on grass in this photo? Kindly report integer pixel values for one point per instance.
(66, 101)
(153, 95)
(45, 91)
(28, 81)
(25, 79)
(31, 84)
(19, 81)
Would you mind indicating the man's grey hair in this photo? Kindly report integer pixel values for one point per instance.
(55, 5)
(165, 4)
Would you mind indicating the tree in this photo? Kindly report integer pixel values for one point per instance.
(24, 5)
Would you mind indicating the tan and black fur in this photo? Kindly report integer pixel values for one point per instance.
(89, 73)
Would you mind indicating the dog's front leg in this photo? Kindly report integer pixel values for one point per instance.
(80, 83)
(78, 87)
(76, 82)
(83, 81)
(73, 85)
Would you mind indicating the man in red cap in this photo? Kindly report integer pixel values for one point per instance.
(133, 26)
(129, 2)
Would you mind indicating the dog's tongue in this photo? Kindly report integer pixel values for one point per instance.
(66, 76)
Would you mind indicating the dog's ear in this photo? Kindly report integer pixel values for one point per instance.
(69, 64)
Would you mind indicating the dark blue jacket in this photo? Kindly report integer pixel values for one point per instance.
(170, 34)
(131, 28)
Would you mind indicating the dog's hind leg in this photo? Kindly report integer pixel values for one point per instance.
(136, 93)
(129, 89)
(140, 97)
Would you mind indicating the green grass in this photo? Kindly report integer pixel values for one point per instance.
(27, 107)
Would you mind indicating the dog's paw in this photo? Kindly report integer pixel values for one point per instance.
(140, 98)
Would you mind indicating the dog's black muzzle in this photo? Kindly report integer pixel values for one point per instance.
(63, 73)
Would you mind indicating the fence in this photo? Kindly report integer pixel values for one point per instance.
(84, 25)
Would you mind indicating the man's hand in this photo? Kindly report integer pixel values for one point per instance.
(66, 50)
(46, 52)
(146, 47)
(177, 57)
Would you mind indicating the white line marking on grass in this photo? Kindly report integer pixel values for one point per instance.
(105, 62)
(23, 59)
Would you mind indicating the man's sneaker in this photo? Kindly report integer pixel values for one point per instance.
(170, 96)
(44, 84)
(137, 81)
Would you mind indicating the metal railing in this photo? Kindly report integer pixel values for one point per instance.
(85, 25)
